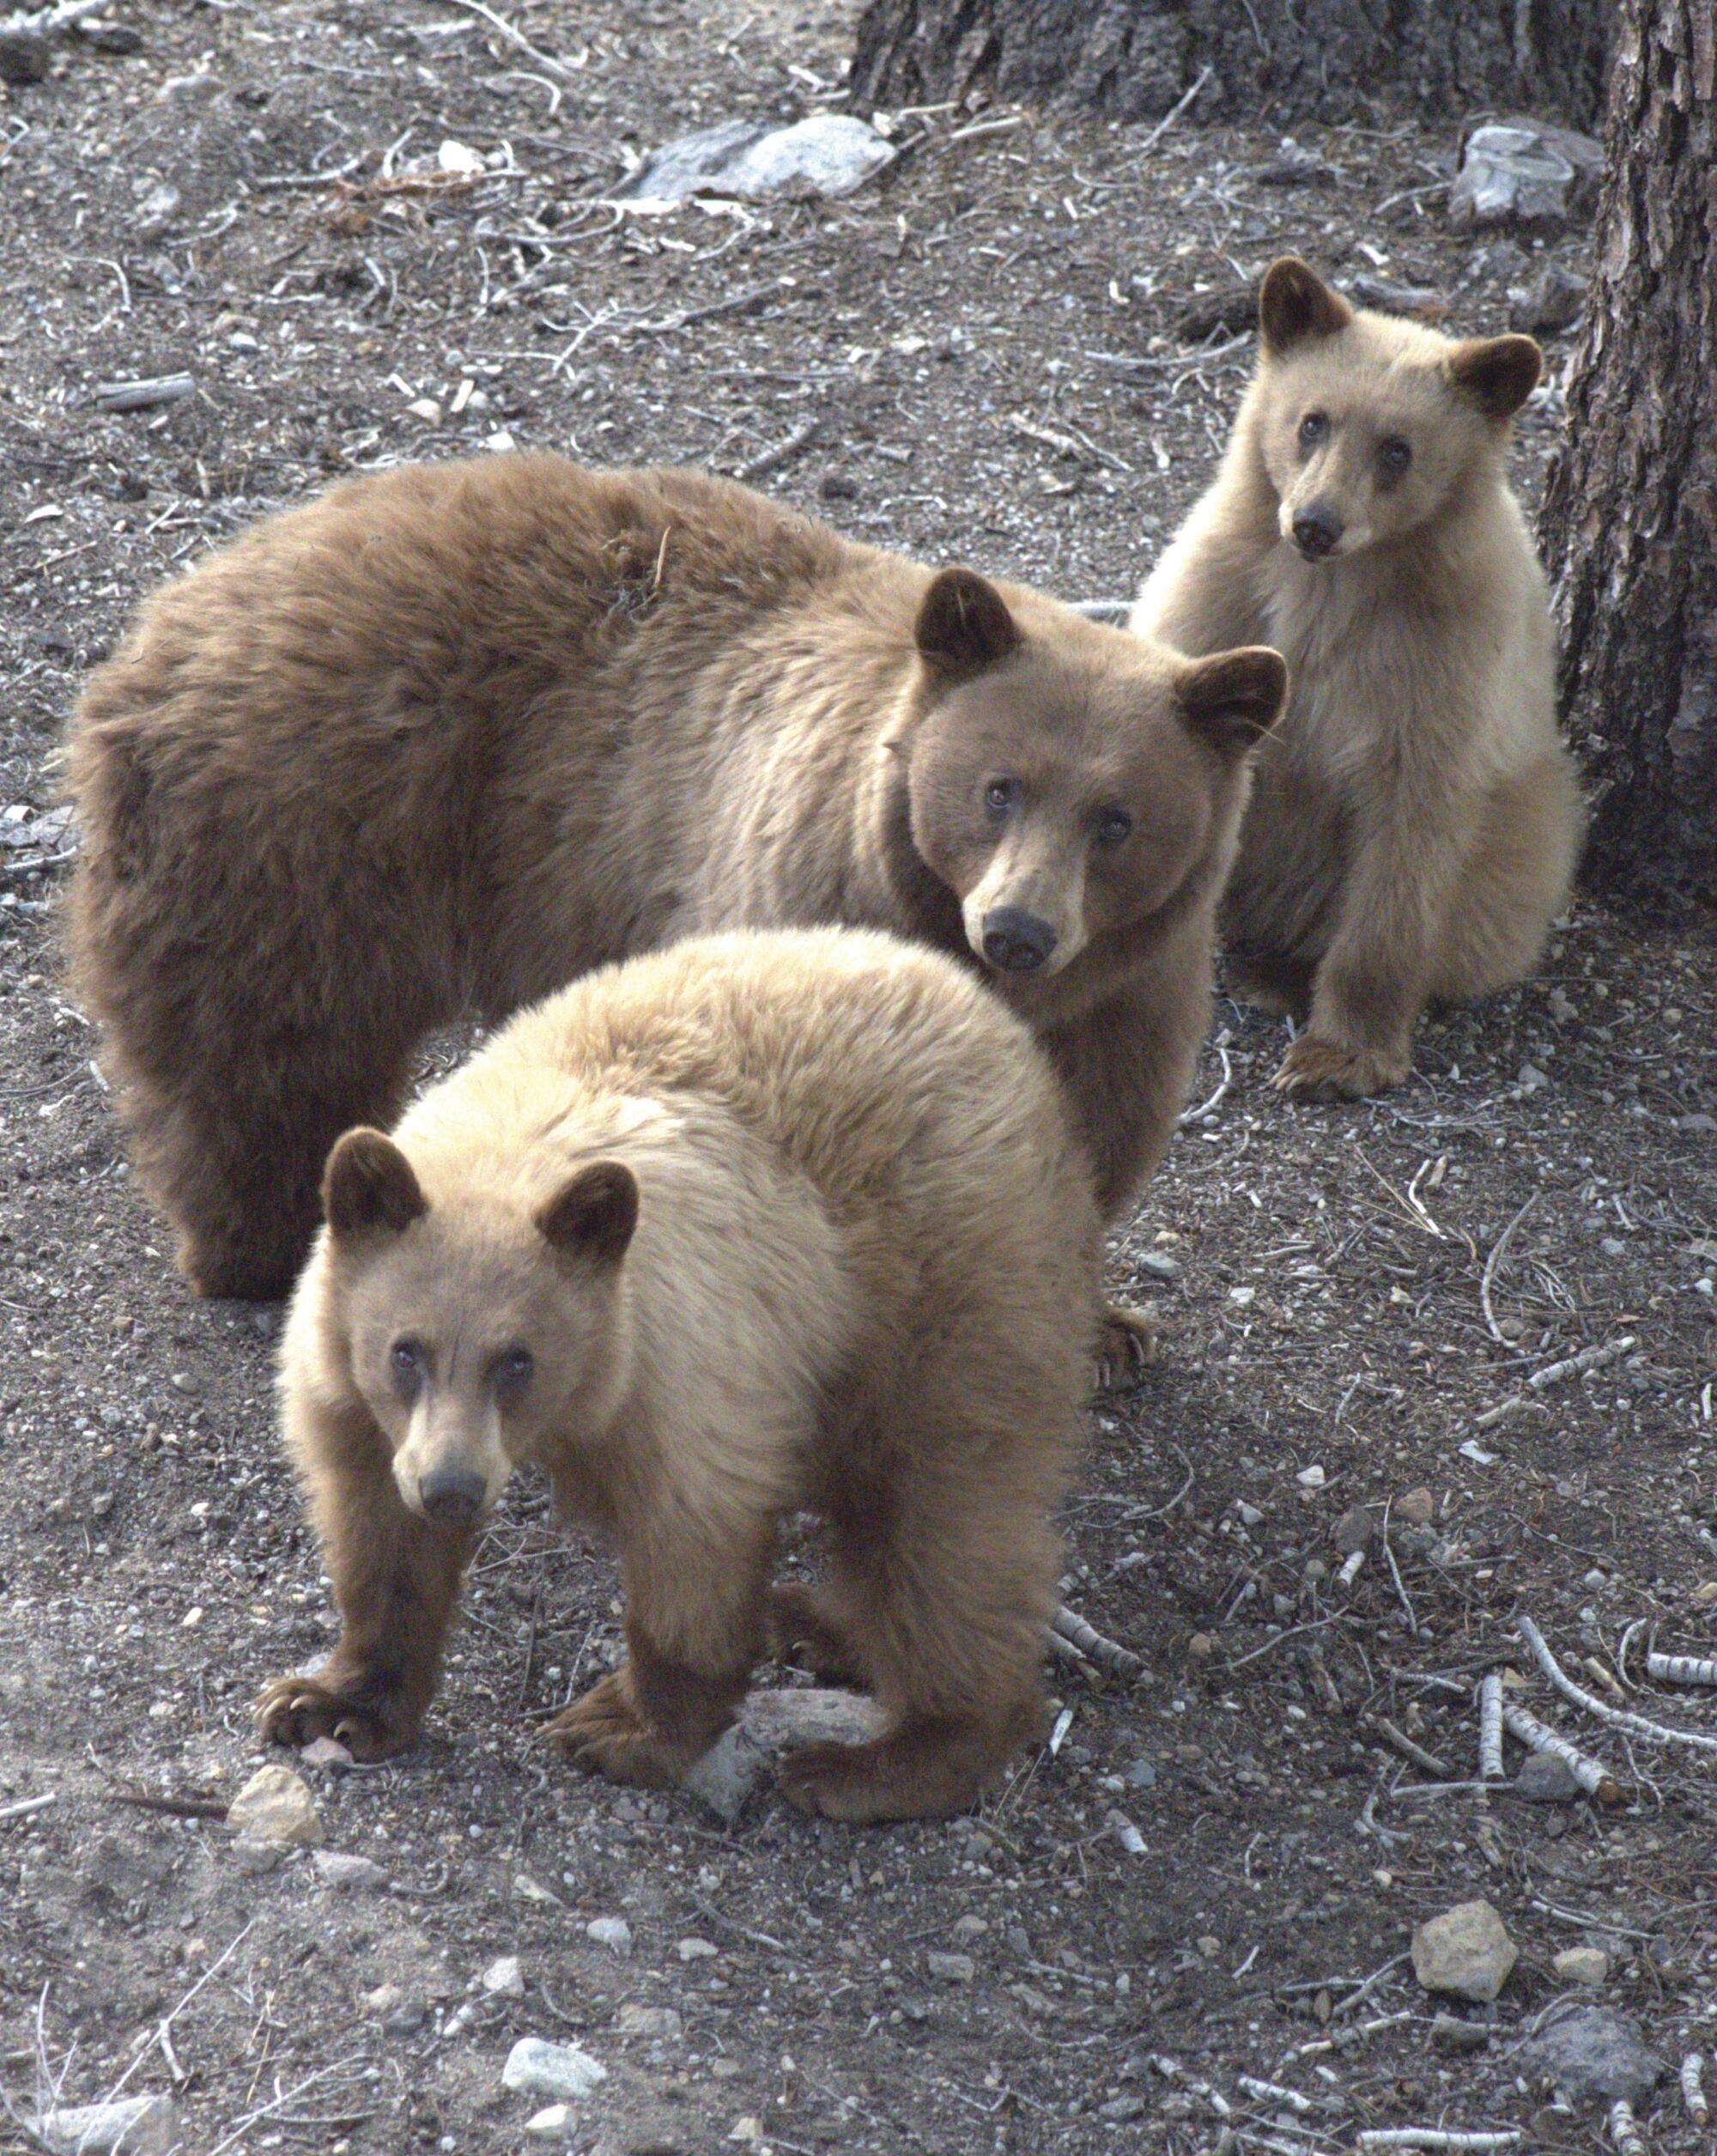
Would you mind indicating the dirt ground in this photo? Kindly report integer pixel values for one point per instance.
(1190, 1889)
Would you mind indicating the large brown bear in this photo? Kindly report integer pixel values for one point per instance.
(760, 1223)
(451, 736)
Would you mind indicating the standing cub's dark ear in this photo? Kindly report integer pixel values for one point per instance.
(1234, 699)
(963, 624)
(370, 1189)
(1297, 304)
(594, 1215)
(1499, 372)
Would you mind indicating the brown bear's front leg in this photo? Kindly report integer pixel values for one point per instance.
(396, 1581)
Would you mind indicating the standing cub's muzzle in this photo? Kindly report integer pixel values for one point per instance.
(452, 1497)
(1317, 531)
(1015, 941)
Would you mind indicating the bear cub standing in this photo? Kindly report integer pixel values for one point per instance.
(1413, 820)
(758, 1223)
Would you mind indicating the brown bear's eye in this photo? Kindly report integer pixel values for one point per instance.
(1000, 795)
(1312, 430)
(1114, 825)
(1394, 455)
(512, 1371)
(409, 1360)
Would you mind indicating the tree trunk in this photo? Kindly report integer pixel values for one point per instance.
(1629, 522)
(1282, 60)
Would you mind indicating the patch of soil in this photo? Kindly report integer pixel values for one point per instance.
(1185, 1890)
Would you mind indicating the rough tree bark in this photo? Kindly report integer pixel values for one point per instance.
(1286, 60)
(1629, 522)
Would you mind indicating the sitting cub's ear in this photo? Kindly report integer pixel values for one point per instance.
(1499, 372)
(370, 1189)
(593, 1216)
(963, 624)
(1295, 304)
(1233, 700)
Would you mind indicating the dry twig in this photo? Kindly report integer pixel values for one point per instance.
(1108, 1653)
(1617, 1717)
(1692, 2088)
(1490, 1265)
(1490, 1728)
(1592, 1777)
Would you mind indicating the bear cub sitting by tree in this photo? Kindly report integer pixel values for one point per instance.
(759, 1224)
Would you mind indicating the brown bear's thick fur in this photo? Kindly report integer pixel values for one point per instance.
(1415, 818)
(760, 1223)
(451, 736)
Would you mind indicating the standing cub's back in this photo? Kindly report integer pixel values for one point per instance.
(755, 1224)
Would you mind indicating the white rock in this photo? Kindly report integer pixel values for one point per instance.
(561, 2071)
(458, 157)
(326, 1751)
(426, 409)
(613, 1932)
(276, 1805)
(527, 1889)
(1582, 1964)
(829, 154)
(552, 2124)
(697, 1950)
(1519, 170)
(335, 1867)
(504, 1978)
(1466, 1950)
(134, 2126)
(649, 2021)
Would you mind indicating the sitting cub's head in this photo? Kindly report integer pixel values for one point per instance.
(1065, 781)
(1368, 425)
(478, 1327)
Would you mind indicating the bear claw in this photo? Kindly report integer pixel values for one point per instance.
(297, 1710)
(1319, 1069)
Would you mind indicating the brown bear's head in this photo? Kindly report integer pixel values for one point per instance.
(1367, 425)
(1065, 781)
(467, 1348)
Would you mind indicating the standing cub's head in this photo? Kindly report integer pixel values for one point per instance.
(1367, 425)
(1065, 781)
(478, 1327)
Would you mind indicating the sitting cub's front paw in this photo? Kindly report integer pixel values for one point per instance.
(605, 1733)
(1319, 1069)
(297, 1710)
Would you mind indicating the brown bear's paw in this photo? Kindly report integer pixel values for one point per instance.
(604, 1733)
(802, 1632)
(1318, 1069)
(898, 1777)
(297, 1710)
(1128, 1343)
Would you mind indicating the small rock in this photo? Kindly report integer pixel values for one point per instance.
(132, 2126)
(427, 410)
(324, 1751)
(1201, 1647)
(552, 2124)
(23, 60)
(829, 154)
(460, 158)
(649, 2021)
(952, 1968)
(771, 1722)
(1142, 1775)
(503, 1979)
(276, 1805)
(1418, 1508)
(613, 1932)
(1354, 1530)
(383, 1999)
(1157, 1263)
(118, 39)
(1594, 2051)
(526, 1889)
(257, 1859)
(157, 211)
(405, 2020)
(1522, 171)
(970, 1928)
(1120, 2108)
(1450, 2033)
(1248, 1514)
(1531, 1078)
(1552, 302)
(1544, 1779)
(1466, 1950)
(1582, 1964)
(563, 2071)
(696, 1950)
(336, 1869)
(1311, 1477)
(724, 1777)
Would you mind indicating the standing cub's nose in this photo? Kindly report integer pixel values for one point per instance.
(1015, 941)
(1316, 531)
(452, 1497)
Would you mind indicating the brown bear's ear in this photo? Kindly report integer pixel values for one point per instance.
(370, 1189)
(1233, 700)
(1295, 304)
(1499, 372)
(963, 624)
(593, 1216)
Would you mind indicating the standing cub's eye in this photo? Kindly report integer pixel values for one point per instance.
(1314, 427)
(511, 1371)
(408, 1360)
(1394, 455)
(1000, 795)
(1114, 825)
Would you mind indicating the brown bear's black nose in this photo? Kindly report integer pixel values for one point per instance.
(1316, 531)
(452, 1497)
(1015, 941)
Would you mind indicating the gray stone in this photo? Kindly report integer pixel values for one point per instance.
(1354, 1530)
(771, 1722)
(952, 1968)
(560, 2071)
(1466, 1951)
(1582, 1964)
(335, 1868)
(613, 1932)
(1544, 1779)
(1552, 302)
(649, 2021)
(1142, 1775)
(276, 1805)
(133, 2126)
(503, 1979)
(829, 154)
(257, 1859)
(724, 1777)
(1593, 2052)
(1523, 171)
(554, 2123)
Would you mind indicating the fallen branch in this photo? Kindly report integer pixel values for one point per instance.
(25, 1805)
(1434, 2137)
(1207, 1109)
(1589, 1358)
(1625, 2128)
(1681, 1669)
(1108, 1653)
(1349, 2039)
(1537, 1736)
(1116, 610)
(1273, 2092)
(1490, 1728)
(516, 38)
(1692, 2091)
(141, 396)
(1489, 1272)
(1617, 1717)
(772, 459)
(1405, 1744)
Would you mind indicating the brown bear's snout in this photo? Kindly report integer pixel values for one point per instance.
(451, 1497)
(1316, 530)
(1015, 941)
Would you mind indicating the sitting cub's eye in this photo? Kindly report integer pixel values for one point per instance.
(1313, 429)
(1113, 826)
(409, 1360)
(1000, 795)
(512, 1371)
(1394, 455)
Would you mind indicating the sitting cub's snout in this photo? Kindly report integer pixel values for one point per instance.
(1015, 941)
(451, 1497)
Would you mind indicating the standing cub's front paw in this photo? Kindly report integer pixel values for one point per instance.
(1128, 1343)
(605, 1733)
(1317, 1069)
(297, 1710)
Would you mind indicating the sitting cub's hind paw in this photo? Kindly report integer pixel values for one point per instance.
(1318, 1069)
(1128, 1344)
(297, 1710)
